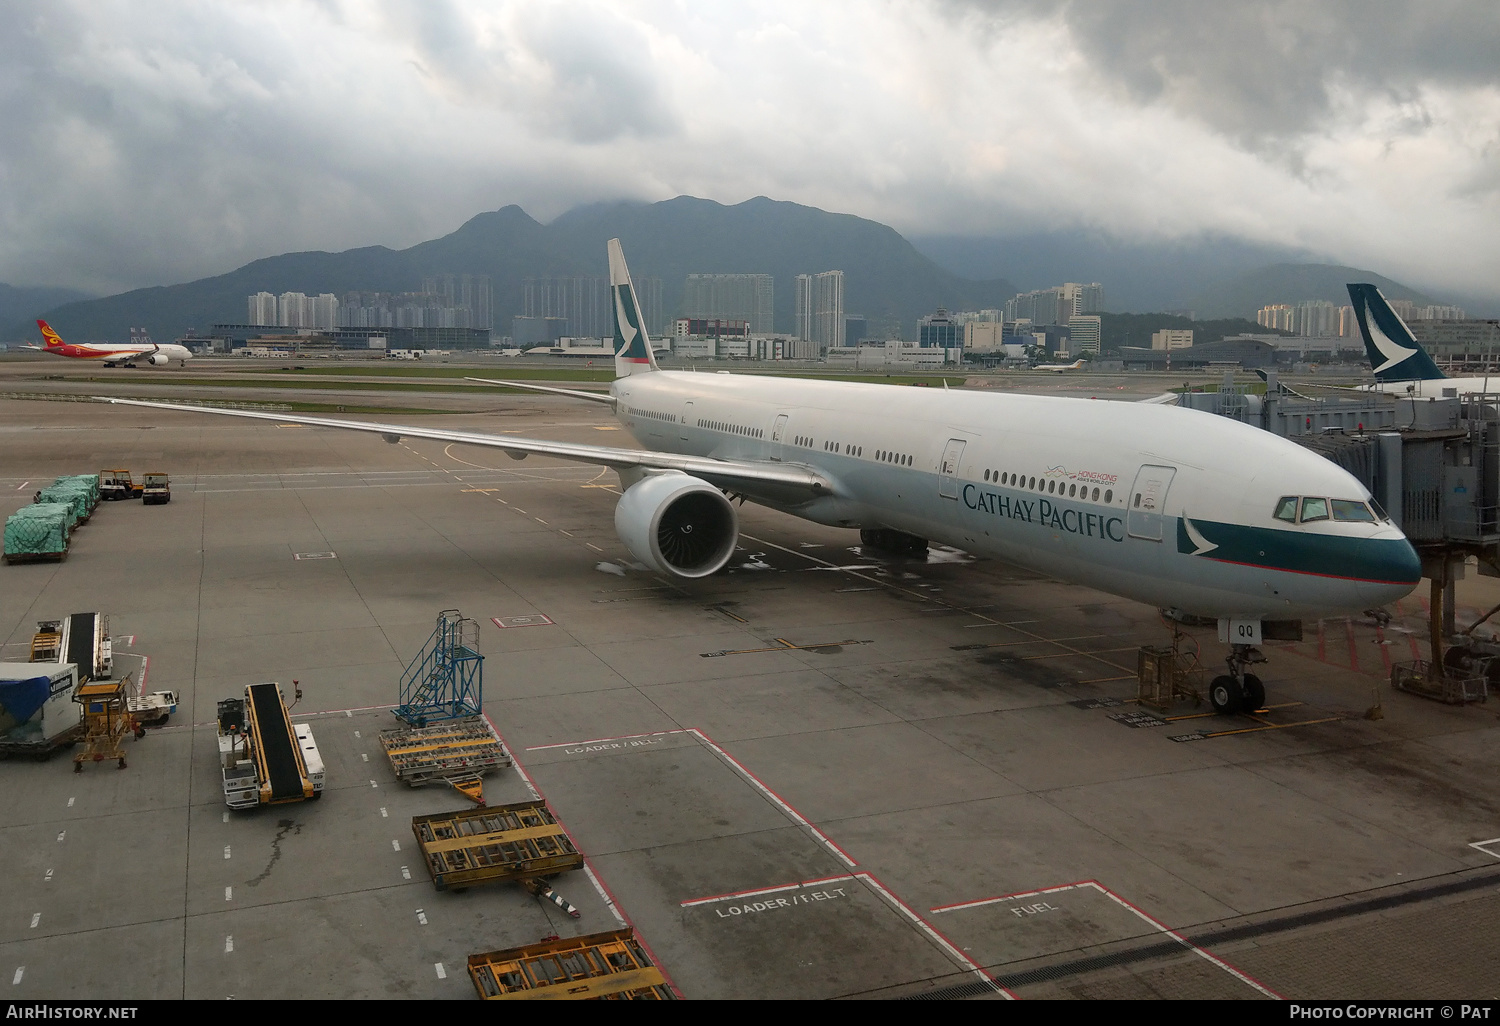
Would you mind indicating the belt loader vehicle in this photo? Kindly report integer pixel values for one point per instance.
(264, 758)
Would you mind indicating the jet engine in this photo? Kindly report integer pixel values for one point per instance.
(678, 524)
(160, 360)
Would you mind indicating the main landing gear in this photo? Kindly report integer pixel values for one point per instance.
(1238, 691)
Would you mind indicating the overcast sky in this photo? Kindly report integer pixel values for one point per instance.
(145, 144)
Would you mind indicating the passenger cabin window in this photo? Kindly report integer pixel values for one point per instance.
(1350, 511)
(1314, 509)
(1286, 509)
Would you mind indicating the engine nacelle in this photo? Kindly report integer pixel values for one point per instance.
(160, 360)
(678, 524)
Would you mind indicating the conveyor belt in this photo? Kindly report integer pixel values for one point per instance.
(83, 650)
(274, 748)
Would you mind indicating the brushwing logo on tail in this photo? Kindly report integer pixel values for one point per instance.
(49, 336)
(1395, 354)
(627, 326)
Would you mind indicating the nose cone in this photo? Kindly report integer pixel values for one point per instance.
(1388, 567)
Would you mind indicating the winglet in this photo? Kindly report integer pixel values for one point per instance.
(1394, 352)
(632, 342)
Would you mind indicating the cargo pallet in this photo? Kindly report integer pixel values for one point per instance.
(610, 966)
(457, 753)
(489, 845)
(1435, 681)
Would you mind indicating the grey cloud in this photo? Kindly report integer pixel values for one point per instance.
(584, 76)
(1266, 71)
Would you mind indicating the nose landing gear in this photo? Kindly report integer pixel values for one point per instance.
(1238, 691)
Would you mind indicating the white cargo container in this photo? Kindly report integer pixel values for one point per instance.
(37, 711)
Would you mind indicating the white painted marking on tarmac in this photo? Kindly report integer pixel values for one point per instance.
(383, 813)
(356, 733)
(229, 894)
(421, 917)
(228, 944)
(609, 902)
(1483, 846)
(1112, 896)
(71, 801)
(541, 521)
(36, 918)
(405, 873)
(442, 973)
(561, 531)
(349, 714)
(363, 757)
(48, 877)
(61, 834)
(226, 817)
(20, 971)
(593, 546)
(395, 844)
(226, 852)
(374, 784)
(766, 890)
(23, 484)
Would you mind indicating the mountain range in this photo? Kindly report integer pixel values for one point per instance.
(886, 278)
(889, 279)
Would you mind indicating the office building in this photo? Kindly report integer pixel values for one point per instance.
(1172, 338)
(938, 331)
(1084, 334)
(983, 336)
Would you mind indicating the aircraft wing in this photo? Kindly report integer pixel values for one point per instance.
(780, 482)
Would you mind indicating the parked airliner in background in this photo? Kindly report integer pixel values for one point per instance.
(1060, 367)
(1402, 367)
(1187, 511)
(112, 353)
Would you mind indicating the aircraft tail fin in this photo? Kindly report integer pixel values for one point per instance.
(1395, 354)
(633, 353)
(49, 337)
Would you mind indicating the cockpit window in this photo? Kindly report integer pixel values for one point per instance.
(1314, 509)
(1350, 511)
(1380, 514)
(1286, 509)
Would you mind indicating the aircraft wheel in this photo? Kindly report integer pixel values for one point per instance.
(1255, 693)
(1224, 694)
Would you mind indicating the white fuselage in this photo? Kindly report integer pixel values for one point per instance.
(119, 352)
(1163, 505)
(1439, 388)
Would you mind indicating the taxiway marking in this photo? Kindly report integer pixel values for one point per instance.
(1484, 846)
(1152, 921)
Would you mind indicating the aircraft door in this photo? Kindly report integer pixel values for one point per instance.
(778, 435)
(948, 471)
(1147, 498)
(687, 420)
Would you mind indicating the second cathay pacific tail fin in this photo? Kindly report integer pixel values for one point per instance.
(1395, 354)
